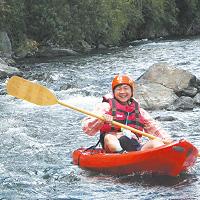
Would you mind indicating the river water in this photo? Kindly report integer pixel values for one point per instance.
(37, 142)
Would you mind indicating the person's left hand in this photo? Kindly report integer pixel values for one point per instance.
(167, 140)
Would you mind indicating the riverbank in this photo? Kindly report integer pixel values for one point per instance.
(161, 86)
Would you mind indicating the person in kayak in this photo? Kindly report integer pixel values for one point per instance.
(123, 108)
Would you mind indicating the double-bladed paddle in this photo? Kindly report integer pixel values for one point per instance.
(40, 95)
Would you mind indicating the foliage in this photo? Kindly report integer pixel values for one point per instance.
(188, 14)
(12, 13)
(4, 8)
(69, 22)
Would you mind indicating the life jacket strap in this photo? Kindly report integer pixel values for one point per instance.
(113, 113)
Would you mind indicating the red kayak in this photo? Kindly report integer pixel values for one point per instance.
(169, 160)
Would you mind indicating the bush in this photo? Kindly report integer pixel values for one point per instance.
(109, 22)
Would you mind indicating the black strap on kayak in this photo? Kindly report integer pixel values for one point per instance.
(94, 146)
(89, 148)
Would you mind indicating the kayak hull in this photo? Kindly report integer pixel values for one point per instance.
(169, 160)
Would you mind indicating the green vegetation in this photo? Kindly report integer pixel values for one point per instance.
(68, 23)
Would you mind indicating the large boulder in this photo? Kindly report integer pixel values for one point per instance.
(165, 87)
(154, 96)
(178, 80)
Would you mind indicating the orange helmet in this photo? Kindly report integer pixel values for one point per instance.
(122, 79)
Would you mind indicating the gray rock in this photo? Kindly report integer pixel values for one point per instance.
(82, 46)
(102, 46)
(170, 77)
(7, 71)
(162, 85)
(165, 118)
(5, 45)
(197, 99)
(190, 91)
(2, 61)
(66, 86)
(55, 52)
(154, 96)
(182, 103)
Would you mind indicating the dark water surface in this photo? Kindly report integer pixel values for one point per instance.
(37, 142)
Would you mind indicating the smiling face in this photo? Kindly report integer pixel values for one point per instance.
(123, 93)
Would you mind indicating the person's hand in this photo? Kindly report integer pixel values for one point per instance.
(108, 118)
(167, 140)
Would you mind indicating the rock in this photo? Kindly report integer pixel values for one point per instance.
(190, 91)
(55, 52)
(66, 86)
(182, 103)
(165, 118)
(102, 46)
(154, 96)
(9, 61)
(5, 45)
(27, 48)
(197, 99)
(7, 71)
(3, 91)
(2, 61)
(161, 86)
(83, 46)
(171, 77)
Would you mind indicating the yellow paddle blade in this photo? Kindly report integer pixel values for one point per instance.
(31, 92)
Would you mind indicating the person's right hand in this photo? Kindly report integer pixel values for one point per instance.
(108, 118)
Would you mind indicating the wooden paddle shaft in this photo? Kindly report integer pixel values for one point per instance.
(102, 118)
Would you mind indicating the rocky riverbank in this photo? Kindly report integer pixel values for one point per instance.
(161, 87)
